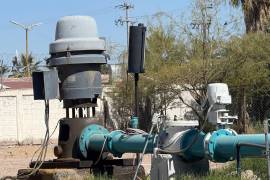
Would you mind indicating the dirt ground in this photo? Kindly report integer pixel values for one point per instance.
(13, 158)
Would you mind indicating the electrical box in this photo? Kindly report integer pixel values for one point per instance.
(218, 93)
(218, 97)
(45, 85)
(136, 49)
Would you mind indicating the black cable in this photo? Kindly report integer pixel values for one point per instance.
(193, 140)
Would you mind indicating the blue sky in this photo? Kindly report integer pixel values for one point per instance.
(49, 11)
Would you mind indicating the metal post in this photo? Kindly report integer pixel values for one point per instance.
(238, 166)
(27, 28)
(26, 52)
(93, 111)
(80, 112)
(136, 112)
(67, 112)
(266, 130)
(136, 79)
(73, 112)
(2, 68)
(88, 112)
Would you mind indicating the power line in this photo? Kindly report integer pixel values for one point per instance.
(121, 21)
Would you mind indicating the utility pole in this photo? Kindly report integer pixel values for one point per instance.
(127, 7)
(27, 28)
(2, 68)
(203, 24)
(127, 21)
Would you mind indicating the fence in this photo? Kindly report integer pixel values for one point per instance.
(22, 118)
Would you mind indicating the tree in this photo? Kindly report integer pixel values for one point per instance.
(256, 14)
(178, 62)
(3, 69)
(19, 66)
(247, 72)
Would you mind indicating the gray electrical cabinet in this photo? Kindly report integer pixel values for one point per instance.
(45, 84)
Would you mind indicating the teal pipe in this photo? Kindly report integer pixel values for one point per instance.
(220, 145)
(134, 122)
(192, 145)
(225, 146)
(96, 138)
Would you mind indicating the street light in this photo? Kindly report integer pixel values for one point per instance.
(26, 28)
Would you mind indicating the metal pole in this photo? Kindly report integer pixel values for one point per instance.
(136, 78)
(26, 28)
(266, 130)
(136, 112)
(26, 52)
(127, 24)
(73, 112)
(238, 166)
(67, 112)
(2, 68)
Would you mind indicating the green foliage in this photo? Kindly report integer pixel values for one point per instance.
(176, 63)
(257, 165)
(19, 68)
(106, 69)
(256, 14)
(92, 177)
(3, 70)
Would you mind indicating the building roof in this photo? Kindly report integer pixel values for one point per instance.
(17, 83)
(26, 82)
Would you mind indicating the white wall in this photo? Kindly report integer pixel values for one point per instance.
(22, 118)
(179, 109)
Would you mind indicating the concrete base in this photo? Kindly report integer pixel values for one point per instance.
(117, 172)
(166, 166)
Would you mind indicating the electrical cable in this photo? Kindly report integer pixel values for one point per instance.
(193, 140)
(135, 131)
(143, 152)
(175, 137)
(99, 157)
(49, 138)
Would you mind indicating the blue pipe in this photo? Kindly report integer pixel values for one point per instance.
(220, 146)
(192, 145)
(96, 138)
(223, 147)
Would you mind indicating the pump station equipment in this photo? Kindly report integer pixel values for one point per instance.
(73, 76)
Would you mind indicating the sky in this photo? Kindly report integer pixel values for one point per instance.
(49, 11)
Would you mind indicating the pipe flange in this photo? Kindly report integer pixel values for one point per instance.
(86, 134)
(210, 141)
(110, 142)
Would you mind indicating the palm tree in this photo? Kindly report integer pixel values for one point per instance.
(19, 67)
(256, 14)
(3, 69)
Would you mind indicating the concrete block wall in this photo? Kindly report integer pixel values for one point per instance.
(22, 118)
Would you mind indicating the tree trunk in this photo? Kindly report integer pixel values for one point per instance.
(145, 115)
(243, 118)
(257, 15)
